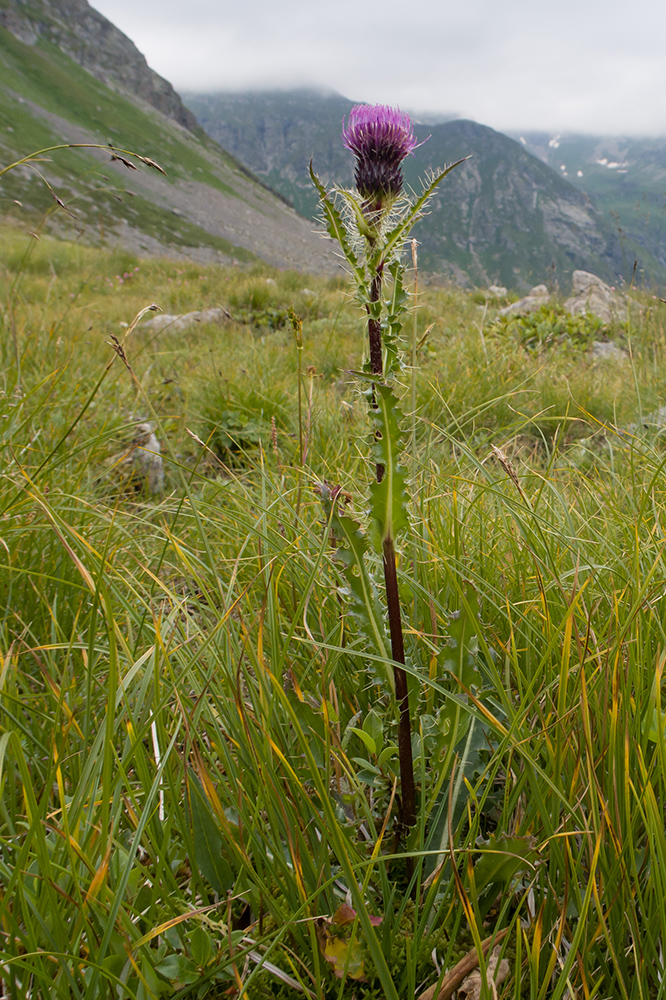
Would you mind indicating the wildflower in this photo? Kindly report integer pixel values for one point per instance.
(380, 138)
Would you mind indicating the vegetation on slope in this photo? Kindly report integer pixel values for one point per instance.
(626, 178)
(206, 200)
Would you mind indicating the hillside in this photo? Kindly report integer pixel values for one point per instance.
(209, 206)
(626, 178)
(503, 216)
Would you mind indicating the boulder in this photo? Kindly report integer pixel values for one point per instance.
(592, 295)
(139, 466)
(606, 350)
(178, 324)
(535, 298)
(147, 456)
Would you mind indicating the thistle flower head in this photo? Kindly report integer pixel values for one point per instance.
(380, 138)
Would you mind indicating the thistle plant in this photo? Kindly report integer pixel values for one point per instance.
(372, 224)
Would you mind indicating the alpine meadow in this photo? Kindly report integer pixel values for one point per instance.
(332, 628)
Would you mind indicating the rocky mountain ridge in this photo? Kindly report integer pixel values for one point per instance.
(93, 42)
(626, 178)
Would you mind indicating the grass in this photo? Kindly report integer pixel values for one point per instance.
(196, 748)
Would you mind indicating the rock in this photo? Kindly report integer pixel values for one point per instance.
(591, 294)
(146, 459)
(606, 350)
(496, 292)
(535, 298)
(139, 466)
(177, 324)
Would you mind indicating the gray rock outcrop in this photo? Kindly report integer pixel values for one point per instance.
(178, 324)
(536, 297)
(592, 295)
(606, 350)
(144, 461)
(93, 42)
(139, 468)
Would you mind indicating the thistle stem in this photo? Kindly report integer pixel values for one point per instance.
(407, 784)
(375, 329)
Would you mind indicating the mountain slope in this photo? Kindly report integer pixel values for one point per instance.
(209, 206)
(90, 40)
(626, 178)
(502, 216)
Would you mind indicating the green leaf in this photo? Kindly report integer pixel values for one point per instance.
(392, 325)
(374, 727)
(361, 221)
(312, 724)
(178, 968)
(462, 652)
(114, 964)
(208, 841)
(351, 548)
(654, 725)
(366, 739)
(388, 506)
(503, 859)
(200, 945)
(368, 772)
(153, 985)
(388, 754)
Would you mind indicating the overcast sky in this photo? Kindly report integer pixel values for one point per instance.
(563, 65)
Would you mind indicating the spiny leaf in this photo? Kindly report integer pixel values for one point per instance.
(399, 232)
(336, 228)
(502, 859)
(361, 221)
(399, 297)
(363, 598)
(388, 508)
(350, 552)
(392, 325)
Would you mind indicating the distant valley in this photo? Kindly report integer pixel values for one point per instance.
(501, 217)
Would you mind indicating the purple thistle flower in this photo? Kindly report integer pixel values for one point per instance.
(380, 138)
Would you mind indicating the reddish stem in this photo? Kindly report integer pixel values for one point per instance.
(407, 784)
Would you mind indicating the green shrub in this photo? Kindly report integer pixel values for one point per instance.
(552, 326)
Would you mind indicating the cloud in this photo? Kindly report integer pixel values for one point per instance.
(588, 66)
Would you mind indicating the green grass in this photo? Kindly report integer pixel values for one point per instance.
(195, 745)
